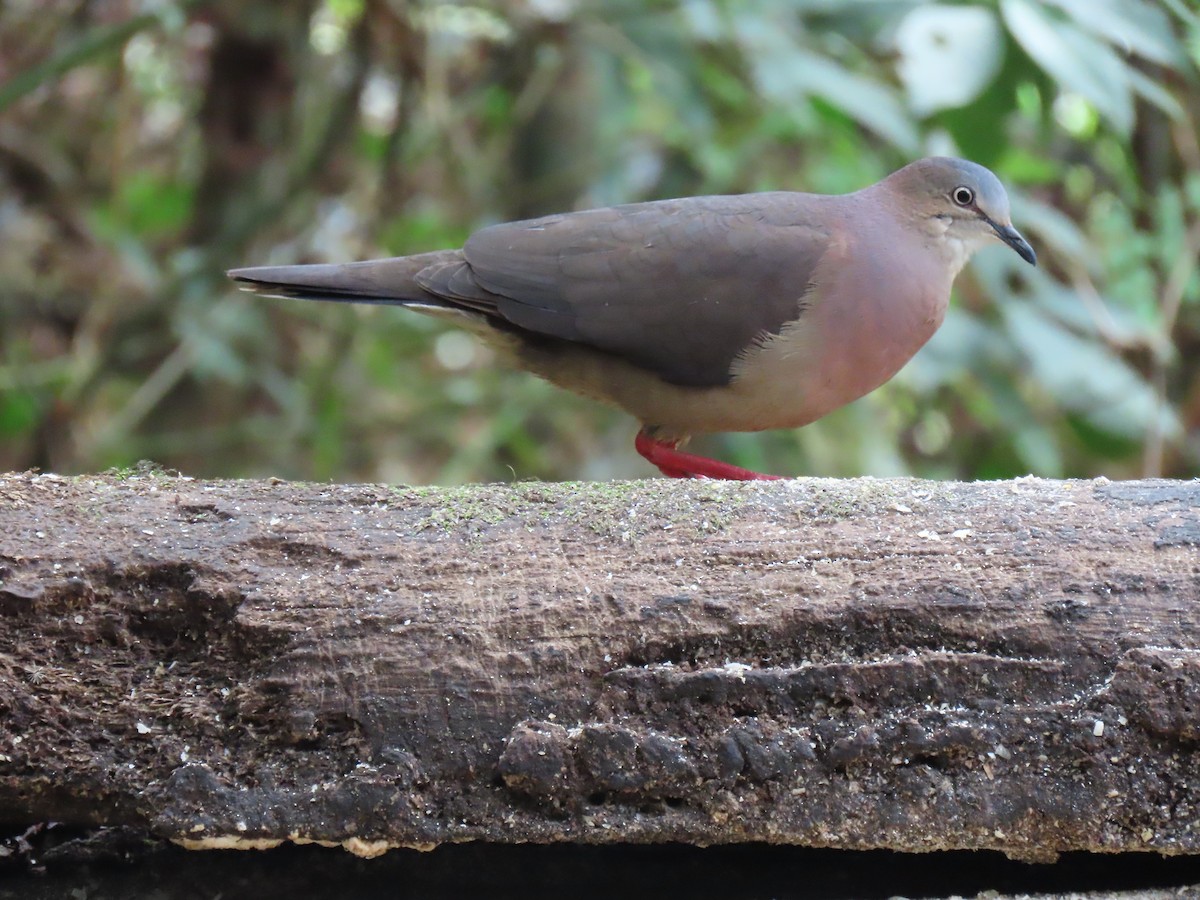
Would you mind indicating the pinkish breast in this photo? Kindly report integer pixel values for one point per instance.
(867, 321)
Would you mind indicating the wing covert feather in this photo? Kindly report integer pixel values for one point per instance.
(680, 287)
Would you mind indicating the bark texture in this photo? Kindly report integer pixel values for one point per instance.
(855, 664)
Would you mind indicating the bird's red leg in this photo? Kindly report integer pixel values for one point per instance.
(677, 464)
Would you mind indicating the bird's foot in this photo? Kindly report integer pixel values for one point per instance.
(676, 464)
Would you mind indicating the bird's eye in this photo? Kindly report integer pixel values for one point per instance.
(963, 196)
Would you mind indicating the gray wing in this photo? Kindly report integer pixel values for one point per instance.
(679, 287)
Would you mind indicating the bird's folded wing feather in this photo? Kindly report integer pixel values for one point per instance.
(679, 287)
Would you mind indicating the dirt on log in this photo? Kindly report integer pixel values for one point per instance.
(855, 664)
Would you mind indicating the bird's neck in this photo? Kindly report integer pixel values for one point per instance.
(954, 250)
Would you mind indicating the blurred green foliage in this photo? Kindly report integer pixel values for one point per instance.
(147, 146)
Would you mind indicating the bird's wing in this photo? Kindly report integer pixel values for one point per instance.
(679, 287)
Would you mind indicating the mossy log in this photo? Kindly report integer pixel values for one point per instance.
(857, 664)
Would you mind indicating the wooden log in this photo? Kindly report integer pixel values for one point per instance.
(857, 664)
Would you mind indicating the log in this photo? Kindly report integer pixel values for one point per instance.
(855, 664)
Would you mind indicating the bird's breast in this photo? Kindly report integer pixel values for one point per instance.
(861, 324)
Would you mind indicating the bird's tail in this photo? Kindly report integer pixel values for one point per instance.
(374, 281)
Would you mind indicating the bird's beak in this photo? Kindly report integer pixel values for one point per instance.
(1013, 238)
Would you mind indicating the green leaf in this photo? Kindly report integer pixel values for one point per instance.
(864, 99)
(1036, 447)
(18, 413)
(1025, 166)
(1053, 226)
(1087, 378)
(1077, 61)
(703, 20)
(788, 73)
(1133, 26)
(153, 206)
(145, 206)
(1155, 93)
(948, 55)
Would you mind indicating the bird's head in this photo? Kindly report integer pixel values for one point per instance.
(960, 201)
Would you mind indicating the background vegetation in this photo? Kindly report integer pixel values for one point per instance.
(147, 146)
